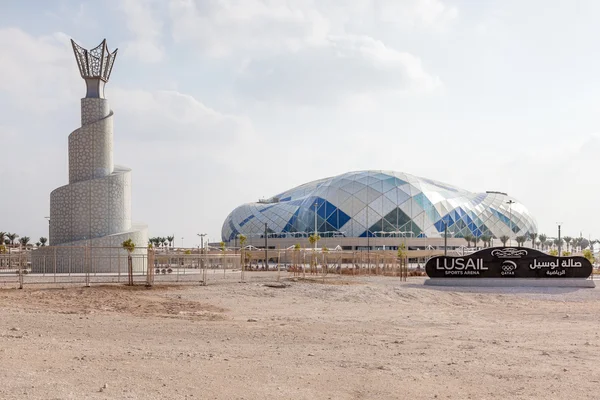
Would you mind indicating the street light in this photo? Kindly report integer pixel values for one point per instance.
(315, 246)
(510, 203)
(559, 239)
(202, 241)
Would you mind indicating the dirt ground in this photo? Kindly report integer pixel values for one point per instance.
(348, 338)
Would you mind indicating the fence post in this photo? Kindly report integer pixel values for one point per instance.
(149, 267)
(86, 265)
(21, 270)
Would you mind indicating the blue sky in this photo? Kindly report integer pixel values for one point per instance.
(222, 102)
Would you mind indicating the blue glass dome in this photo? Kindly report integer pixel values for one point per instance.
(380, 203)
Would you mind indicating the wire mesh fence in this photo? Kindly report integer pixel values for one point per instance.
(101, 265)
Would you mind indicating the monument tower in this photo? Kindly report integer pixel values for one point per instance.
(94, 208)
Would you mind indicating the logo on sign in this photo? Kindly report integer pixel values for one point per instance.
(508, 268)
(509, 252)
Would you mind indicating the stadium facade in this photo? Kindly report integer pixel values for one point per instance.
(380, 205)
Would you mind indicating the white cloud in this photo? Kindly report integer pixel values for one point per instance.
(301, 52)
(343, 66)
(146, 29)
(178, 120)
(417, 13)
(38, 71)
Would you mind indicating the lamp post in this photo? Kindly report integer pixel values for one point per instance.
(559, 240)
(201, 241)
(445, 239)
(510, 203)
(266, 249)
(315, 245)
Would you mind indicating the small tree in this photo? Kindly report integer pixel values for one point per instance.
(504, 239)
(589, 255)
(486, 240)
(553, 252)
(129, 245)
(12, 237)
(313, 239)
(43, 241)
(297, 256)
(533, 237)
(558, 242)
(242, 258)
(568, 240)
(543, 239)
(468, 238)
(24, 241)
(403, 259)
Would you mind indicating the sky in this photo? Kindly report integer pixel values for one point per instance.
(222, 102)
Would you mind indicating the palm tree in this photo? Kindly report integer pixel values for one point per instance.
(12, 237)
(533, 236)
(486, 240)
(568, 241)
(558, 242)
(129, 246)
(171, 239)
(520, 240)
(314, 239)
(2, 237)
(475, 240)
(543, 239)
(468, 237)
(504, 239)
(43, 241)
(584, 243)
(38, 244)
(24, 241)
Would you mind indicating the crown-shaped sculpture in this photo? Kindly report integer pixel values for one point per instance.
(95, 66)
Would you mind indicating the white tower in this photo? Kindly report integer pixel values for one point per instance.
(94, 209)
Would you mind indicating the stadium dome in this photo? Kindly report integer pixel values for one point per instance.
(380, 204)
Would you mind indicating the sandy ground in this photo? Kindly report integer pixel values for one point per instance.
(350, 338)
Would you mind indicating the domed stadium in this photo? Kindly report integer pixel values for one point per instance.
(380, 204)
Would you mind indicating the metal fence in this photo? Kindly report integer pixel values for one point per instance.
(92, 265)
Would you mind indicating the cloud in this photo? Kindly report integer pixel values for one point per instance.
(38, 71)
(142, 22)
(343, 66)
(418, 13)
(178, 121)
(301, 51)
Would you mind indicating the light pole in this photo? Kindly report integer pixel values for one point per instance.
(201, 241)
(315, 245)
(182, 242)
(445, 239)
(266, 249)
(559, 239)
(510, 203)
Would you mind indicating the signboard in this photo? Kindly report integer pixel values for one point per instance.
(508, 262)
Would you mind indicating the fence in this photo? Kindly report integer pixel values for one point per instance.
(97, 265)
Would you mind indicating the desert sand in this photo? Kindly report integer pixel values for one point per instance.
(347, 338)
